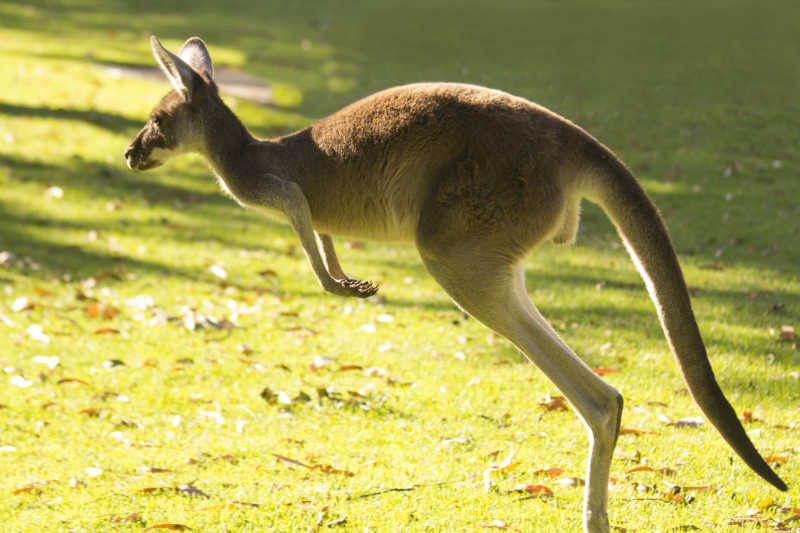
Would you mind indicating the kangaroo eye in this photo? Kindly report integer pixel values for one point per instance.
(156, 121)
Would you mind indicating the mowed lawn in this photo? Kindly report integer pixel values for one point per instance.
(170, 363)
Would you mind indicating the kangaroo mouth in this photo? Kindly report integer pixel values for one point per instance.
(135, 164)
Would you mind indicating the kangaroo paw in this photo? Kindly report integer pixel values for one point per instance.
(358, 288)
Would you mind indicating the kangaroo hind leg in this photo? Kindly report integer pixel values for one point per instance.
(493, 291)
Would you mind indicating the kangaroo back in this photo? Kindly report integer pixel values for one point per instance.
(645, 236)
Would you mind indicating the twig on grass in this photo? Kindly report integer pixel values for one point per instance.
(414, 486)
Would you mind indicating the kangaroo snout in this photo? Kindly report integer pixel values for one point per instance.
(129, 157)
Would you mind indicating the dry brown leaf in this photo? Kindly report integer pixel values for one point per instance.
(784, 523)
(551, 472)
(222, 507)
(91, 411)
(701, 488)
(345, 368)
(748, 417)
(776, 459)
(73, 380)
(101, 310)
(554, 403)
(190, 490)
(328, 469)
(31, 488)
(666, 471)
(631, 431)
(325, 469)
(539, 490)
(786, 333)
(172, 527)
(106, 331)
(600, 371)
(133, 517)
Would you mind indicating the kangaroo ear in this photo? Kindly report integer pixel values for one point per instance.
(182, 76)
(195, 53)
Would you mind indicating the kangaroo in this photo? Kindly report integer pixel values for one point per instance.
(476, 178)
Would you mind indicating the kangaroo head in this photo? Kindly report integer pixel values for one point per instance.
(175, 124)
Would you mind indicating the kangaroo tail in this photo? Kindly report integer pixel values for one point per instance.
(645, 236)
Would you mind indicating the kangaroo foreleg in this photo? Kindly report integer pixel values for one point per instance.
(287, 196)
(329, 254)
(366, 288)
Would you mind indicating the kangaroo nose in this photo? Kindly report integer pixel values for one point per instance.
(128, 154)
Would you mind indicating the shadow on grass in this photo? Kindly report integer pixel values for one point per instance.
(110, 121)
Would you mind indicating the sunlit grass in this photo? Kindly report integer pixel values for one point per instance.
(402, 391)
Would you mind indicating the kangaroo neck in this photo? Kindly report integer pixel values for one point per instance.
(225, 141)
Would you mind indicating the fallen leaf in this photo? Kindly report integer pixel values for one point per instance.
(702, 488)
(786, 333)
(34, 487)
(784, 523)
(36, 333)
(49, 362)
(19, 381)
(766, 502)
(539, 490)
(22, 304)
(554, 403)
(73, 380)
(133, 517)
(748, 417)
(105, 331)
(326, 469)
(345, 368)
(691, 422)
(337, 522)
(191, 490)
(218, 271)
(172, 527)
(93, 471)
(570, 482)
(630, 431)
(100, 310)
(776, 459)
(222, 507)
(505, 465)
(666, 471)
(600, 371)
(498, 524)
(551, 472)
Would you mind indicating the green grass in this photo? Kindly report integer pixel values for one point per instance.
(681, 93)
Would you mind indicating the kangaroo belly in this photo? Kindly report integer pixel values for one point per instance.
(377, 216)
